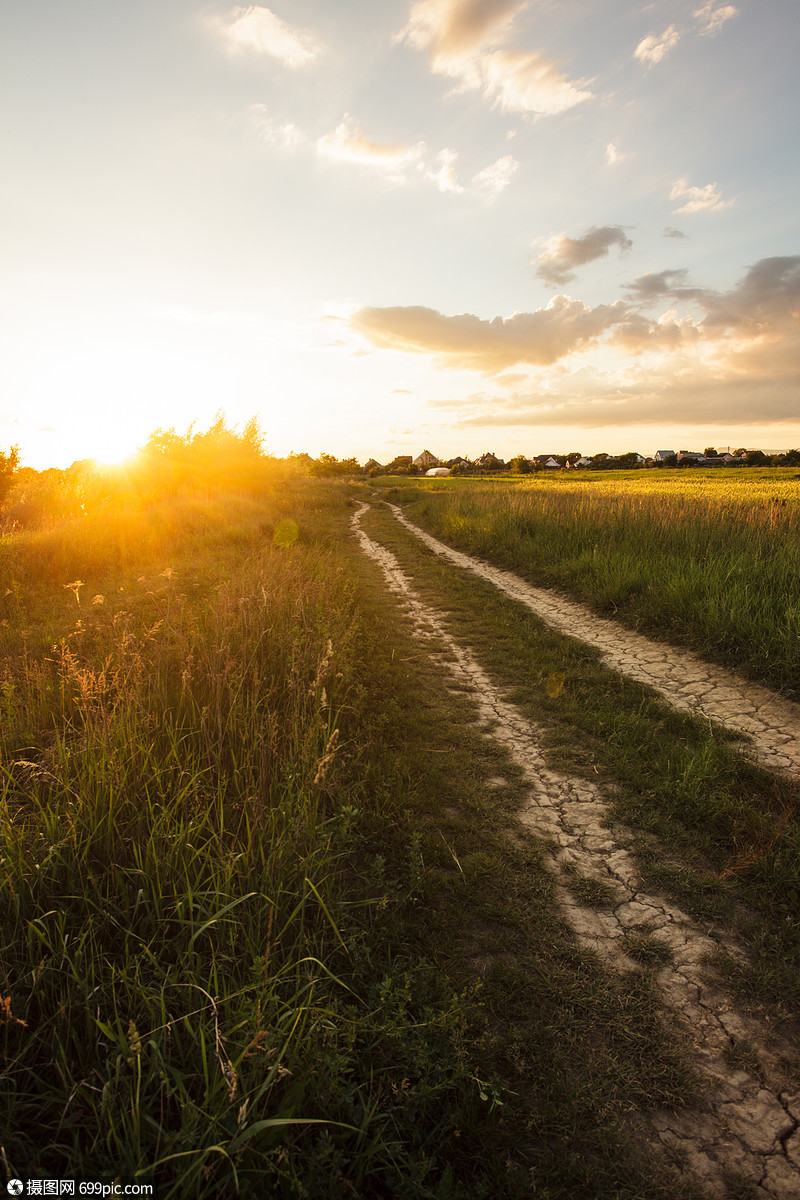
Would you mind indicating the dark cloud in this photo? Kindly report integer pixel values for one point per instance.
(768, 295)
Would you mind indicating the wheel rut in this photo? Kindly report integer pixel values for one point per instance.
(770, 723)
(749, 1127)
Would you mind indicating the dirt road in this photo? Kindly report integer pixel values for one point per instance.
(750, 1126)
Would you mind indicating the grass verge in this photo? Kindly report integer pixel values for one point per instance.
(714, 831)
(244, 954)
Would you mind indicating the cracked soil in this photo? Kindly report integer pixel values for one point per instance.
(748, 1130)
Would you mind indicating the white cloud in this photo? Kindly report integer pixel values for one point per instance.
(402, 163)
(269, 132)
(453, 29)
(523, 81)
(712, 16)
(705, 199)
(445, 176)
(259, 30)
(347, 144)
(653, 48)
(494, 179)
(614, 154)
(710, 19)
(467, 41)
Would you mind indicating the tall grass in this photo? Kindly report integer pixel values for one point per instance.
(711, 563)
(191, 991)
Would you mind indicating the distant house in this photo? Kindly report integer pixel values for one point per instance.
(582, 462)
(372, 465)
(401, 463)
(547, 461)
(489, 462)
(691, 458)
(425, 460)
(459, 462)
(662, 455)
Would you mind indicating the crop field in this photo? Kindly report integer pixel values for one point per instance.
(708, 559)
(268, 923)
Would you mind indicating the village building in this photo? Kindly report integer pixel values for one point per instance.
(425, 460)
(489, 462)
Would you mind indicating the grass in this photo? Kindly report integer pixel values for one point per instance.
(704, 559)
(262, 929)
(715, 832)
(191, 989)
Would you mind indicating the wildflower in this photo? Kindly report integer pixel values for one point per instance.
(75, 587)
(327, 758)
(6, 1015)
(134, 1041)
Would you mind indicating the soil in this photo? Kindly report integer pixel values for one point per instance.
(748, 1130)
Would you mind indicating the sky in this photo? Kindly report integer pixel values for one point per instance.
(383, 225)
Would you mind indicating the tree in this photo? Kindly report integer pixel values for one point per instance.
(520, 465)
(9, 461)
(710, 452)
(325, 466)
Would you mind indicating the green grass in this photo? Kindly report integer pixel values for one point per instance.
(241, 955)
(715, 832)
(704, 559)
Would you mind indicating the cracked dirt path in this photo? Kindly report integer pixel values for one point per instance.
(749, 1127)
(770, 723)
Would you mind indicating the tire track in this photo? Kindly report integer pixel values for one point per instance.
(749, 1128)
(770, 723)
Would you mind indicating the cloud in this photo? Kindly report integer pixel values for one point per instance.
(467, 342)
(705, 199)
(711, 17)
(654, 47)
(555, 264)
(453, 29)
(467, 41)
(494, 179)
(669, 232)
(766, 302)
(400, 163)
(445, 176)
(350, 145)
(614, 155)
(269, 132)
(654, 286)
(260, 31)
(523, 81)
(740, 363)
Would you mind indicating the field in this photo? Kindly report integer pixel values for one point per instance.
(268, 926)
(708, 559)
